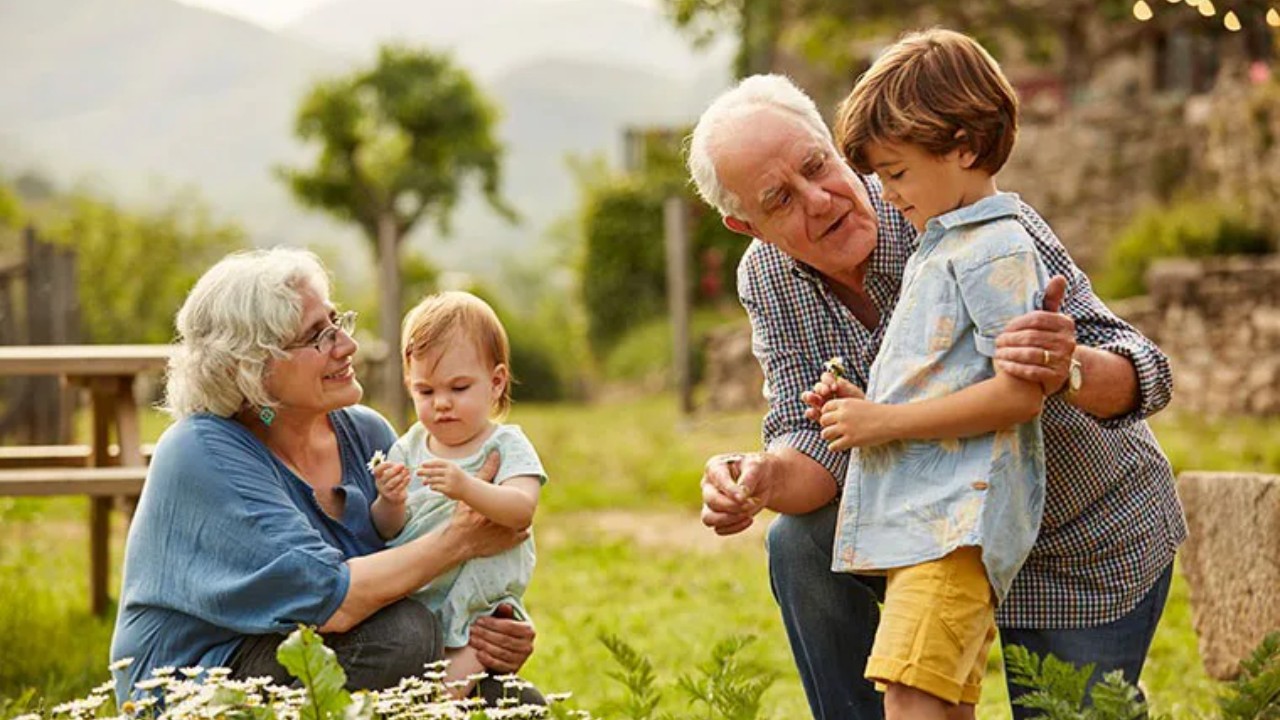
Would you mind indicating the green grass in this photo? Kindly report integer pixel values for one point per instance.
(620, 551)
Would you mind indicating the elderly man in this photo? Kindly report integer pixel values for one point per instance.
(820, 280)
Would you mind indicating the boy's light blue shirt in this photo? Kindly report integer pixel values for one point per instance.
(910, 502)
(228, 542)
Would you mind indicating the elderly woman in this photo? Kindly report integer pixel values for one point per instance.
(255, 514)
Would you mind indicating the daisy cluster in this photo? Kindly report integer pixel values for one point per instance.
(197, 693)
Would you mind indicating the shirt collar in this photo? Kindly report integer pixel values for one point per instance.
(994, 207)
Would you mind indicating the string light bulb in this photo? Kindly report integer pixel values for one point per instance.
(1206, 8)
(1273, 18)
(1142, 11)
(1231, 22)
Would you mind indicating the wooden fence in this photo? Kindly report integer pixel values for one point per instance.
(39, 305)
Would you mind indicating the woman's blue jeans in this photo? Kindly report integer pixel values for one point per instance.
(831, 621)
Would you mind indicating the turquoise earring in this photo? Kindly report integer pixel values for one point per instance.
(267, 416)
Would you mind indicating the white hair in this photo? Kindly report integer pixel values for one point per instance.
(748, 96)
(237, 318)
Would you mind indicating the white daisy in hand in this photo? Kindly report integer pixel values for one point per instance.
(835, 366)
(377, 459)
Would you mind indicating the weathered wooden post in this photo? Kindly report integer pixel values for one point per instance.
(676, 230)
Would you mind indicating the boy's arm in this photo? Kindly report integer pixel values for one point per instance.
(510, 504)
(993, 404)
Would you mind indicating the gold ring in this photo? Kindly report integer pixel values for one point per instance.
(1047, 357)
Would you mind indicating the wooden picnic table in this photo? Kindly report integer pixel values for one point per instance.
(109, 373)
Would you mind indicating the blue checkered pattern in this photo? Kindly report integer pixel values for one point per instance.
(1112, 519)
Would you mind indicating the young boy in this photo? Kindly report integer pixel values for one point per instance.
(946, 494)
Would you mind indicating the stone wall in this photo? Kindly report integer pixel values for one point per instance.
(1233, 520)
(1218, 320)
(733, 378)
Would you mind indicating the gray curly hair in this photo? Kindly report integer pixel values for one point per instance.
(237, 318)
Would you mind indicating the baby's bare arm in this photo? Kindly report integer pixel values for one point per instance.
(510, 504)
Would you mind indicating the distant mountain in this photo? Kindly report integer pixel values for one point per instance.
(129, 92)
(490, 37)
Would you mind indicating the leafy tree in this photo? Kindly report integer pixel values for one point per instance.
(10, 208)
(397, 143)
(828, 32)
(135, 269)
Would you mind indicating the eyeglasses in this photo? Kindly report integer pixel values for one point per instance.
(324, 340)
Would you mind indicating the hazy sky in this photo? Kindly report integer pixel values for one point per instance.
(274, 13)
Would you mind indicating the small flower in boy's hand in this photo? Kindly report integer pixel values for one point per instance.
(377, 459)
(835, 366)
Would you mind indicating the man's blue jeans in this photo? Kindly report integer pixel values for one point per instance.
(831, 621)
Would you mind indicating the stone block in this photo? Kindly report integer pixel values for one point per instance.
(1231, 562)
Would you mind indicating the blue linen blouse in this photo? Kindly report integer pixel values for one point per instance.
(227, 541)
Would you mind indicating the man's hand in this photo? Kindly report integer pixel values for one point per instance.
(1038, 346)
(502, 643)
(392, 481)
(735, 487)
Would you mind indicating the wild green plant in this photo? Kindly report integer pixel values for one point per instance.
(725, 687)
(1059, 689)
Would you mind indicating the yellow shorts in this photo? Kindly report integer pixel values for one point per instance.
(936, 628)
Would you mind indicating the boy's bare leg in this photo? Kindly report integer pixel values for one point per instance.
(463, 661)
(902, 702)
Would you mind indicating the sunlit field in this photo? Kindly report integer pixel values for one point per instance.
(621, 552)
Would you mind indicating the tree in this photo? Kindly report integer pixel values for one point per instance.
(135, 268)
(397, 143)
(1058, 30)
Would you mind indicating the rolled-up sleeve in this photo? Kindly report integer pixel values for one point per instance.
(790, 368)
(1098, 327)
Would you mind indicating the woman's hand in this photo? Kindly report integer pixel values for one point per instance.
(477, 536)
(502, 642)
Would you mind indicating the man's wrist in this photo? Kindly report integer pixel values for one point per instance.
(1074, 383)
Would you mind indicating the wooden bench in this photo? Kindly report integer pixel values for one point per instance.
(96, 482)
(50, 456)
(108, 373)
(102, 484)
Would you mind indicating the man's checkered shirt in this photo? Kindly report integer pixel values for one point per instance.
(1112, 519)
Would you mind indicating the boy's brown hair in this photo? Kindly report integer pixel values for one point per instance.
(457, 317)
(926, 90)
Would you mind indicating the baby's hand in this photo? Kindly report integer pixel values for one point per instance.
(392, 479)
(445, 478)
